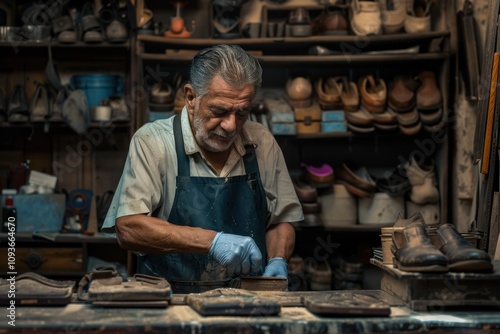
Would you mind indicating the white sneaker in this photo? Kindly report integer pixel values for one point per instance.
(366, 18)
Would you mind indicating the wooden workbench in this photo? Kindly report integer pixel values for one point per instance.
(293, 318)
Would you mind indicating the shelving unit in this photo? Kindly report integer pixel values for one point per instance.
(86, 161)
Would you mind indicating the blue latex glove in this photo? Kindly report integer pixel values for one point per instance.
(238, 254)
(277, 266)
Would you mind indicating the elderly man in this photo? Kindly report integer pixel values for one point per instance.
(205, 196)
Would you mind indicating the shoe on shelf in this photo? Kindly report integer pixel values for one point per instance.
(330, 23)
(328, 92)
(318, 176)
(423, 181)
(161, 93)
(116, 32)
(361, 130)
(18, 110)
(408, 118)
(373, 93)
(349, 95)
(64, 26)
(428, 95)
(401, 93)
(395, 182)
(414, 251)
(418, 18)
(357, 180)
(366, 18)
(393, 16)
(91, 27)
(411, 130)
(305, 192)
(360, 117)
(431, 117)
(387, 117)
(40, 104)
(462, 256)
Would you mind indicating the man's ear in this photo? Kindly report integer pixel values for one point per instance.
(189, 97)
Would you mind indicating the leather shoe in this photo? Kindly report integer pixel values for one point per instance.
(330, 23)
(328, 92)
(360, 117)
(414, 251)
(349, 95)
(394, 183)
(356, 180)
(161, 93)
(305, 192)
(428, 95)
(373, 93)
(311, 207)
(401, 94)
(462, 256)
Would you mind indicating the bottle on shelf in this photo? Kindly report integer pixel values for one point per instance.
(9, 215)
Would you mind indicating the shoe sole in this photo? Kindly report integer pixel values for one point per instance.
(435, 268)
(353, 190)
(471, 266)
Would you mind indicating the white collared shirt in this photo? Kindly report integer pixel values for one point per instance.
(148, 179)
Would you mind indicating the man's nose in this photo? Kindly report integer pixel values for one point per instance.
(229, 123)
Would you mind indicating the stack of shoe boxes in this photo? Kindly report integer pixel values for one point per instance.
(333, 121)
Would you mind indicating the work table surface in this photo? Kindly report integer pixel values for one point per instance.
(180, 318)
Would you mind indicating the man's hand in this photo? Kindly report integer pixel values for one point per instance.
(277, 266)
(238, 254)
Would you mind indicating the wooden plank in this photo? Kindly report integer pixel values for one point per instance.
(490, 115)
(482, 107)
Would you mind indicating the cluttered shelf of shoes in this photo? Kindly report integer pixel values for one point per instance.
(89, 24)
(352, 197)
(336, 106)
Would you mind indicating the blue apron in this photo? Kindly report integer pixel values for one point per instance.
(235, 205)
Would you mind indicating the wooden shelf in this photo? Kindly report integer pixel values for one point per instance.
(198, 42)
(299, 59)
(55, 44)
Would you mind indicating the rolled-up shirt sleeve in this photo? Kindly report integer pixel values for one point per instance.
(140, 188)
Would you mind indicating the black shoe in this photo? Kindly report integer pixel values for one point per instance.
(462, 256)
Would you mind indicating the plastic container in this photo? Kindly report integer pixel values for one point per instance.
(339, 207)
(380, 209)
(98, 87)
(430, 212)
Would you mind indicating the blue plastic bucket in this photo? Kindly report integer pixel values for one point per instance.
(98, 87)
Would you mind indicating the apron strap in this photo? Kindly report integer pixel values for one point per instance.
(250, 161)
(182, 158)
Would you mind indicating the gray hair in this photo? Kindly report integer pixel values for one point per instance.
(231, 62)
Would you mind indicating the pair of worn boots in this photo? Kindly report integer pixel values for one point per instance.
(414, 251)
